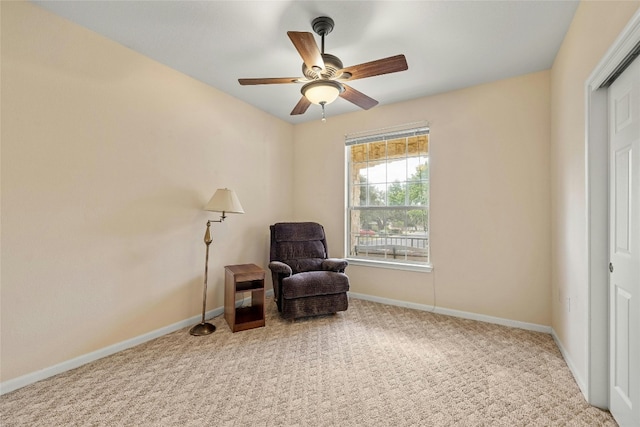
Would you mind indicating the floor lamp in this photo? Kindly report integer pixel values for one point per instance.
(224, 201)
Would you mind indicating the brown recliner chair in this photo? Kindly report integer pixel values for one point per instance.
(306, 282)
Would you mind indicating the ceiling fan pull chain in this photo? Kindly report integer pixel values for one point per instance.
(324, 119)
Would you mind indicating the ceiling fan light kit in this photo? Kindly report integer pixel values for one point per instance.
(322, 91)
(325, 76)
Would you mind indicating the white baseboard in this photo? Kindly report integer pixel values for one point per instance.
(456, 313)
(25, 380)
(576, 375)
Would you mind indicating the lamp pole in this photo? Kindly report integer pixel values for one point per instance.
(204, 328)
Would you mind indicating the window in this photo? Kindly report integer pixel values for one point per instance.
(388, 197)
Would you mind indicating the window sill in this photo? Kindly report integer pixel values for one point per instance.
(423, 268)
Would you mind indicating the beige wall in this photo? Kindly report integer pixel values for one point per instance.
(490, 232)
(107, 161)
(594, 28)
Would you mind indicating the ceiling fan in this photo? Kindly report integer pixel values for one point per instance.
(325, 76)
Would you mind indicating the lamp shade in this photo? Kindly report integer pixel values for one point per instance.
(322, 91)
(224, 200)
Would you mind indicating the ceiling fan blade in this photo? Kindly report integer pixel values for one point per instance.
(301, 106)
(388, 65)
(268, 81)
(308, 49)
(358, 98)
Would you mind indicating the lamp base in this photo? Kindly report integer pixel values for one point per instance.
(202, 329)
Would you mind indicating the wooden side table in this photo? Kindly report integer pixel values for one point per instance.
(239, 279)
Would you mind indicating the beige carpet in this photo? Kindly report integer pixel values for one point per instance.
(373, 365)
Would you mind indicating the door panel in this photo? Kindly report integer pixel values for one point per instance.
(622, 188)
(621, 339)
(624, 246)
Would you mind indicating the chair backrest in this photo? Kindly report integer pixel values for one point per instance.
(301, 245)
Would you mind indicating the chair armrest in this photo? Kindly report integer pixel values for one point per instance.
(335, 264)
(280, 268)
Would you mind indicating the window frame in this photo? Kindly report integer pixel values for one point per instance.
(386, 135)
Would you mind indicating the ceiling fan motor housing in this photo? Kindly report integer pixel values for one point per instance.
(332, 65)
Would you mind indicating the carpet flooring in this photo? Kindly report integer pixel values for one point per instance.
(373, 365)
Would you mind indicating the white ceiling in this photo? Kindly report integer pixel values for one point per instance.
(448, 44)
